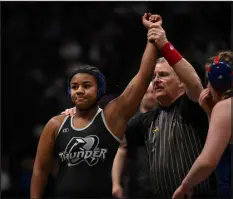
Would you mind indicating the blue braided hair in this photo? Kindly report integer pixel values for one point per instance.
(92, 70)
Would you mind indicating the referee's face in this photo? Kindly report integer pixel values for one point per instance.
(165, 83)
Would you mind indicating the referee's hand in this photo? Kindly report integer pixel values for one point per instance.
(70, 112)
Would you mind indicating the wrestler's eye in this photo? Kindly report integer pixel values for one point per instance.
(86, 86)
(74, 87)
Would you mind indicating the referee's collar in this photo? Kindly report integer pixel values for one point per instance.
(176, 102)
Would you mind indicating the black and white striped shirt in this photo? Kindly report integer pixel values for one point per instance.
(174, 138)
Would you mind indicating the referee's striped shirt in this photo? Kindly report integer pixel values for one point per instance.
(174, 138)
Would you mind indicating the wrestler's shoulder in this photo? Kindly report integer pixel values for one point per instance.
(224, 103)
(224, 107)
(57, 120)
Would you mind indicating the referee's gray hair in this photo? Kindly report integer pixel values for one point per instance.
(161, 60)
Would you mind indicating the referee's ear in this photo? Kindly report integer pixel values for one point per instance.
(181, 85)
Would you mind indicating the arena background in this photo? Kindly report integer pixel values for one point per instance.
(43, 41)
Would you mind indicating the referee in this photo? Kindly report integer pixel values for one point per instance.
(176, 130)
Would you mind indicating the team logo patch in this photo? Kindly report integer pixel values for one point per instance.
(83, 149)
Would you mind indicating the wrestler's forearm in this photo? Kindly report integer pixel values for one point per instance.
(200, 171)
(148, 61)
(130, 99)
(118, 166)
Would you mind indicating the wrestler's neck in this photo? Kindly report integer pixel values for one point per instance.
(169, 100)
(219, 97)
(87, 113)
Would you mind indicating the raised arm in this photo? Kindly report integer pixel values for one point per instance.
(182, 67)
(43, 161)
(120, 110)
(217, 140)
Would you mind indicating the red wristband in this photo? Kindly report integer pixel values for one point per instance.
(170, 54)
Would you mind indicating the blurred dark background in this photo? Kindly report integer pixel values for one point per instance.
(43, 41)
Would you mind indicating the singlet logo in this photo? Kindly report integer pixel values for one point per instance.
(83, 149)
(66, 130)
